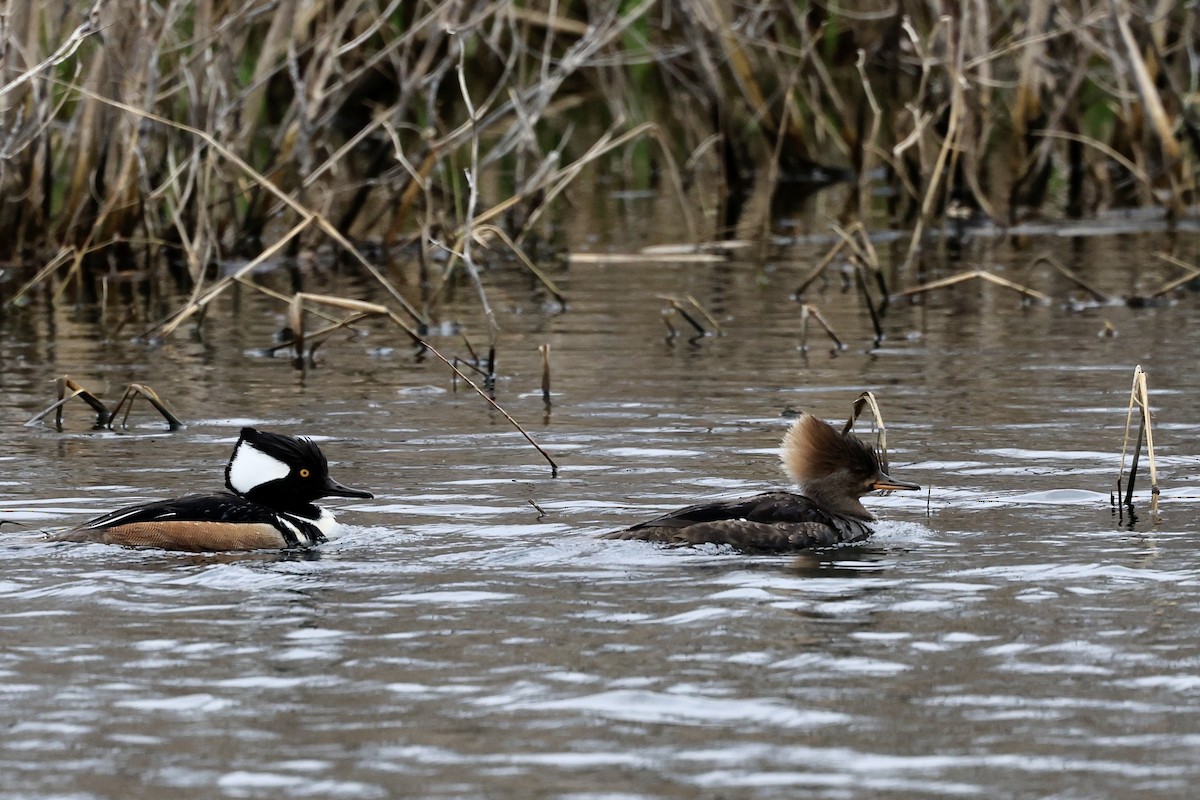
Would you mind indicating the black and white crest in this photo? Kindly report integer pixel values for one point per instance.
(260, 458)
(284, 472)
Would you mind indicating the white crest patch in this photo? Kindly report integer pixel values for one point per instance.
(251, 467)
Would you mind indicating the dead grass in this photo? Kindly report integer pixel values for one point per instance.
(142, 138)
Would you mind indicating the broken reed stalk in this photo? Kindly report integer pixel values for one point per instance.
(866, 260)
(1096, 294)
(545, 351)
(104, 417)
(864, 400)
(974, 274)
(1139, 395)
(544, 279)
(62, 384)
(135, 390)
(1192, 274)
(816, 271)
(861, 280)
(375, 309)
(296, 324)
(688, 318)
(1152, 105)
(676, 306)
(868, 150)
(705, 313)
(807, 311)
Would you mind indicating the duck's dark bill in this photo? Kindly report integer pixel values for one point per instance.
(335, 489)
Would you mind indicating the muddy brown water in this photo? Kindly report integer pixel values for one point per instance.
(1003, 634)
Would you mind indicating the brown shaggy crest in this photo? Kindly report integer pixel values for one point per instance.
(813, 449)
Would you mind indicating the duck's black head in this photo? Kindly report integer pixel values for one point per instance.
(283, 472)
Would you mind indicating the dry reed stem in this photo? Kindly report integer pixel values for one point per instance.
(62, 384)
(1071, 276)
(867, 399)
(1192, 274)
(676, 304)
(643, 258)
(861, 280)
(816, 271)
(468, 234)
(806, 311)
(375, 309)
(705, 313)
(542, 277)
(972, 275)
(949, 145)
(718, 247)
(870, 147)
(135, 390)
(62, 53)
(1133, 168)
(544, 349)
(281, 297)
(548, 21)
(1148, 91)
(319, 337)
(867, 259)
(63, 256)
(307, 216)
(1139, 395)
(674, 307)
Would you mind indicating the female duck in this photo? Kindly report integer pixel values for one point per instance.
(832, 470)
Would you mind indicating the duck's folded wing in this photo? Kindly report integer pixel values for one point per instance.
(198, 523)
(772, 522)
(192, 508)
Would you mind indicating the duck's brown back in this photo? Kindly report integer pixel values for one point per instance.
(770, 522)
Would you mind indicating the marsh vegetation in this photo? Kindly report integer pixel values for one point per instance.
(162, 142)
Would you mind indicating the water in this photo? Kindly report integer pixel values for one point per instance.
(1003, 634)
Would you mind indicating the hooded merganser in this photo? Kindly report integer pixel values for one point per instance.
(832, 469)
(274, 480)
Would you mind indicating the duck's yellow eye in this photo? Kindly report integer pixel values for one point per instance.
(304, 473)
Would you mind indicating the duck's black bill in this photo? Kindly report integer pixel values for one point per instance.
(884, 482)
(335, 489)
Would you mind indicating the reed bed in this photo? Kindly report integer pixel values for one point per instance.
(421, 139)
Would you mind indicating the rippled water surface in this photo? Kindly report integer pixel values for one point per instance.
(1004, 634)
